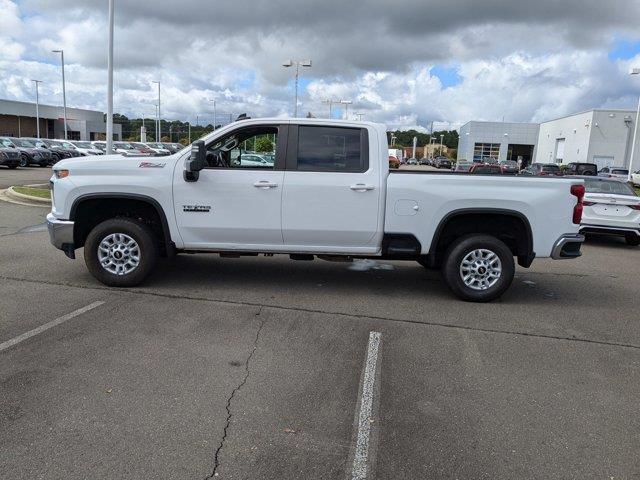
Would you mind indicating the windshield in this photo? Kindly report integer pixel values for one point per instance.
(26, 144)
(550, 168)
(68, 145)
(83, 144)
(620, 171)
(7, 143)
(611, 187)
(124, 146)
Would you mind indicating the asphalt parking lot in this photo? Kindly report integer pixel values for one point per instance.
(261, 367)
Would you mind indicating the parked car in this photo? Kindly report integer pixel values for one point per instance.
(173, 147)
(614, 172)
(330, 195)
(509, 167)
(56, 155)
(611, 207)
(463, 167)
(393, 162)
(59, 150)
(635, 178)
(144, 148)
(159, 148)
(542, 170)
(252, 160)
(423, 161)
(580, 168)
(29, 153)
(123, 148)
(412, 161)
(443, 162)
(485, 169)
(9, 156)
(85, 148)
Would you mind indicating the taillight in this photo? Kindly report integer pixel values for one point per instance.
(635, 207)
(578, 192)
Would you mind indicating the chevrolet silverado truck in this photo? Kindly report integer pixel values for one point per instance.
(324, 192)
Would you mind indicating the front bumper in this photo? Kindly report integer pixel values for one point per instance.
(567, 246)
(61, 234)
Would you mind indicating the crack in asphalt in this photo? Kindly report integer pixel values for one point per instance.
(134, 291)
(216, 457)
(40, 227)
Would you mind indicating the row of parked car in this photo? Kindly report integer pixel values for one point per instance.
(44, 152)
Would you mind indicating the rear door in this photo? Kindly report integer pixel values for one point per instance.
(332, 189)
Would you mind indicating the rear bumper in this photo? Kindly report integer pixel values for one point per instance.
(624, 231)
(60, 233)
(567, 246)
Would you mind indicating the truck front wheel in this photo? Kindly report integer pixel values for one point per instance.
(478, 268)
(120, 252)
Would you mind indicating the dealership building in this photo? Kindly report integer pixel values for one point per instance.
(603, 137)
(600, 136)
(499, 141)
(18, 119)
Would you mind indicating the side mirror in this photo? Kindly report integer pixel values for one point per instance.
(197, 161)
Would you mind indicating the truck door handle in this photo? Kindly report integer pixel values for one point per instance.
(361, 187)
(264, 184)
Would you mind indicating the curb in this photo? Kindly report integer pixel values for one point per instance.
(11, 193)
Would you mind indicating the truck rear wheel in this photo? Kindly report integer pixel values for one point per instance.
(120, 252)
(478, 268)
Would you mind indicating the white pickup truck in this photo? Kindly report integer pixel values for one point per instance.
(327, 193)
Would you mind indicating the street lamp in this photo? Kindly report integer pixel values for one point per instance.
(215, 119)
(159, 132)
(64, 93)
(634, 71)
(37, 108)
(298, 64)
(110, 83)
(346, 104)
(441, 139)
(330, 102)
(359, 115)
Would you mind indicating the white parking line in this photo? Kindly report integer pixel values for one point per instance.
(48, 325)
(359, 470)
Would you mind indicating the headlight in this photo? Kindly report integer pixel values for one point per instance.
(61, 173)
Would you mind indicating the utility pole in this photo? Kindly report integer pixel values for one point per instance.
(37, 108)
(110, 82)
(159, 133)
(215, 117)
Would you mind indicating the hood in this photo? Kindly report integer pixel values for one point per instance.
(100, 164)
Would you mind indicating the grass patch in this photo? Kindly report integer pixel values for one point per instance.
(34, 192)
(637, 189)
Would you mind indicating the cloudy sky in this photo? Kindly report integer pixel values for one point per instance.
(403, 62)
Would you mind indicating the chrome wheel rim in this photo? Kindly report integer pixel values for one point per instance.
(119, 254)
(480, 269)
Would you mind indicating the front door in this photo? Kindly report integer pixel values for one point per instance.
(236, 202)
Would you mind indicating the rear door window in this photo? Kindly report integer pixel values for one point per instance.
(332, 149)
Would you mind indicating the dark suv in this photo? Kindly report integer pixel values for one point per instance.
(542, 170)
(579, 168)
(58, 151)
(29, 153)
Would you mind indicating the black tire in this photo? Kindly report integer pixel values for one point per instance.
(24, 161)
(463, 247)
(633, 240)
(140, 233)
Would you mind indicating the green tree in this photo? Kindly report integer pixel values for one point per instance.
(264, 145)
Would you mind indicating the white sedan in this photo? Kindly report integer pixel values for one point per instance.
(635, 178)
(611, 207)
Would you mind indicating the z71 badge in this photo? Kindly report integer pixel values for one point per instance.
(151, 165)
(196, 208)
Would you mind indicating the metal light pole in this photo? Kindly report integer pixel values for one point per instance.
(159, 134)
(359, 115)
(64, 92)
(441, 145)
(330, 102)
(189, 124)
(215, 117)
(110, 82)
(156, 132)
(298, 64)
(634, 71)
(37, 108)
(346, 104)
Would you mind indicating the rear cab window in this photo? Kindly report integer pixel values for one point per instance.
(329, 149)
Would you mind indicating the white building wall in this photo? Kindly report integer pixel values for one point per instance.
(603, 137)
